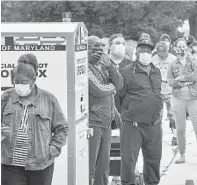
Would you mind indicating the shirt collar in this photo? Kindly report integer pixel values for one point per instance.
(137, 69)
(16, 98)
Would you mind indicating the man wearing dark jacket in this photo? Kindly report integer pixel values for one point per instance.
(104, 80)
(141, 103)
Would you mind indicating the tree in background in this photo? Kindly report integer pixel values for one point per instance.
(104, 18)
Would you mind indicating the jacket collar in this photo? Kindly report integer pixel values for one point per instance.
(16, 99)
(137, 69)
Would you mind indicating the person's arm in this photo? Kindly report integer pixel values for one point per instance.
(4, 129)
(115, 77)
(59, 127)
(4, 100)
(170, 78)
(96, 88)
(189, 77)
(121, 93)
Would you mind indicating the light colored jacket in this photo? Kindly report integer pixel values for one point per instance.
(47, 127)
(188, 75)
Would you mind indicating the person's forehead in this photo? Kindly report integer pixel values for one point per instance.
(119, 39)
(181, 43)
(21, 76)
(98, 41)
(144, 47)
(166, 40)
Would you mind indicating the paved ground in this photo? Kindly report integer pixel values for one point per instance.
(176, 174)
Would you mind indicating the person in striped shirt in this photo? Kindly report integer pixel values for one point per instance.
(37, 128)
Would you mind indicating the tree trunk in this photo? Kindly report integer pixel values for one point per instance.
(193, 25)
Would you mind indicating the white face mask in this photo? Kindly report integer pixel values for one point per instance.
(23, 89)
(119, 50)
(145, 58)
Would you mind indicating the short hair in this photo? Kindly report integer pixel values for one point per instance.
(165, 36)
(92, 40)
(114, 36)
(29, 59)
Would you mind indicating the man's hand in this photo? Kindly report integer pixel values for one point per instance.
(53, 151)
(179, 78)
(105, 60)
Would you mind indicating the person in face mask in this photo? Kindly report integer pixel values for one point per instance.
(118, 58)
(37, 128)
(141, 104)
(166, 38)
(182, 77)
(117, 49)
(162, 59)
(104, 80)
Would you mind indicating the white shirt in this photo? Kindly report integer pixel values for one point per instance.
(163, 65)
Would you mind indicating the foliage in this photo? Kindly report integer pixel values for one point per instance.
(104, 18)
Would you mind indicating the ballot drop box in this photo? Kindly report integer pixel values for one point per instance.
(61, 51)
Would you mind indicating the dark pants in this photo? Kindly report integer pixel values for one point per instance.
(149, 139)
(99, 156)
(13, 175)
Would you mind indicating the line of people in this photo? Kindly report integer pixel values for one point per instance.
(129, 95)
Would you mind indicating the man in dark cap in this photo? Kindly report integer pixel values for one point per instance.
(141, 104)
(104, 80)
